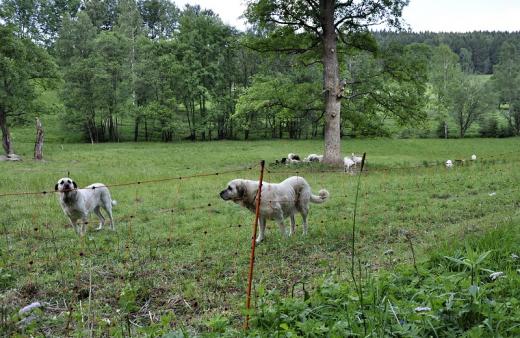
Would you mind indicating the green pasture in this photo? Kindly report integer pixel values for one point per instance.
(179, 256)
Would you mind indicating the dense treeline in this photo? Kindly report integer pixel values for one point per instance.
(483, 46)
(147, 70)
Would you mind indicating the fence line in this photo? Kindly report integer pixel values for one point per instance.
(268, 171)
(22, 193)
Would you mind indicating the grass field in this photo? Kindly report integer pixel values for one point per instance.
(179, 256)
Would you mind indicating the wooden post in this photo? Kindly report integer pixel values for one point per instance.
(38, 144)
(253, 244)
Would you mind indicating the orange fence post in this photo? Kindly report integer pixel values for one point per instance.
(253, 245)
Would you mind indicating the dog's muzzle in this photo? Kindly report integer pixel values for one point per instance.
(223, 195)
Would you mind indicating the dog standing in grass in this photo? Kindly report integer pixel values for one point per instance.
(79, 203)
(278, 200)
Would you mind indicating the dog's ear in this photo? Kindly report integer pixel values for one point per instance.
(75, 185)
(56, 187)
(241, 189)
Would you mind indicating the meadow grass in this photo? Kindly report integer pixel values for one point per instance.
(179, 256)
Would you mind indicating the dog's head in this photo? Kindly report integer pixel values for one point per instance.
(235, 190)
(65, 184)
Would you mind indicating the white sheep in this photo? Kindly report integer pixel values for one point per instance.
(294, 157)
(348, 163)
(356, 159)
(313, 158)
(449, 164)
(473, 157)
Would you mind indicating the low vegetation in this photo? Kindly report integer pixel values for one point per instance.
(177, 262)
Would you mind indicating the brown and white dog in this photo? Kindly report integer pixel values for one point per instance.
(278, 200)
(79, 203)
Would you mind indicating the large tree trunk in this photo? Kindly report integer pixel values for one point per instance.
(331, 84)
(6, 136)
(38, 144)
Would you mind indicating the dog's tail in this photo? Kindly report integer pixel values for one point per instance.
(114, 202)
(323, 195)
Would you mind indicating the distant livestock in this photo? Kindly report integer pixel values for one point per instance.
(313, 158)
(293, 158)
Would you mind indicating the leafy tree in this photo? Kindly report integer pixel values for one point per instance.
(506, 80)
(110, 94)
(466, 61)
(280, 102)
(23, 15)
(310, 26)
(23, 65)
(469, 100)
(130, 29)
(76, 50)
(203, 41)
(38, 20)
(388, 84)
(102, 13)
(444, 74)
(160, 17)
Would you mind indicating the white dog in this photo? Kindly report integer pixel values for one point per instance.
(278, 201)
(79, 203)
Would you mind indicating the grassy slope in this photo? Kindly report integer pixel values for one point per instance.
(192, 265)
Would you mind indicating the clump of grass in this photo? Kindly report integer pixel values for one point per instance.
(452, 295)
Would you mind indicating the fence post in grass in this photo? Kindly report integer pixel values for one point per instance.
(354, 220)
(253, 244)
(38, 144)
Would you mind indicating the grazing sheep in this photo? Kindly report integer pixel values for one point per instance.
(293, 158)
(356, 159)
(449, 164)
(473, 157)
(313, 158)
(348, 164)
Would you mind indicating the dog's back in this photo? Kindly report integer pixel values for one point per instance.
(98, 192)
(303, 192)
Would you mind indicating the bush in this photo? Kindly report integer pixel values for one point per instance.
(490, 128)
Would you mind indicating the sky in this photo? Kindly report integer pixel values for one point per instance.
(421, 15)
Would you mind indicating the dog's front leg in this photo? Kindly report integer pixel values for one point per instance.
(75, 226)
(281, 225)
(84, 222)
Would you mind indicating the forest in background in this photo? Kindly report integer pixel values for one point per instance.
(146, 71)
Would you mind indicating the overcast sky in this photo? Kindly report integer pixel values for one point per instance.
(421, 15)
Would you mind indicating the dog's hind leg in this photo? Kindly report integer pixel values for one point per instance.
(293, 225)
(304, 213)
(97, 211)
(261, 230)
(107, 205)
